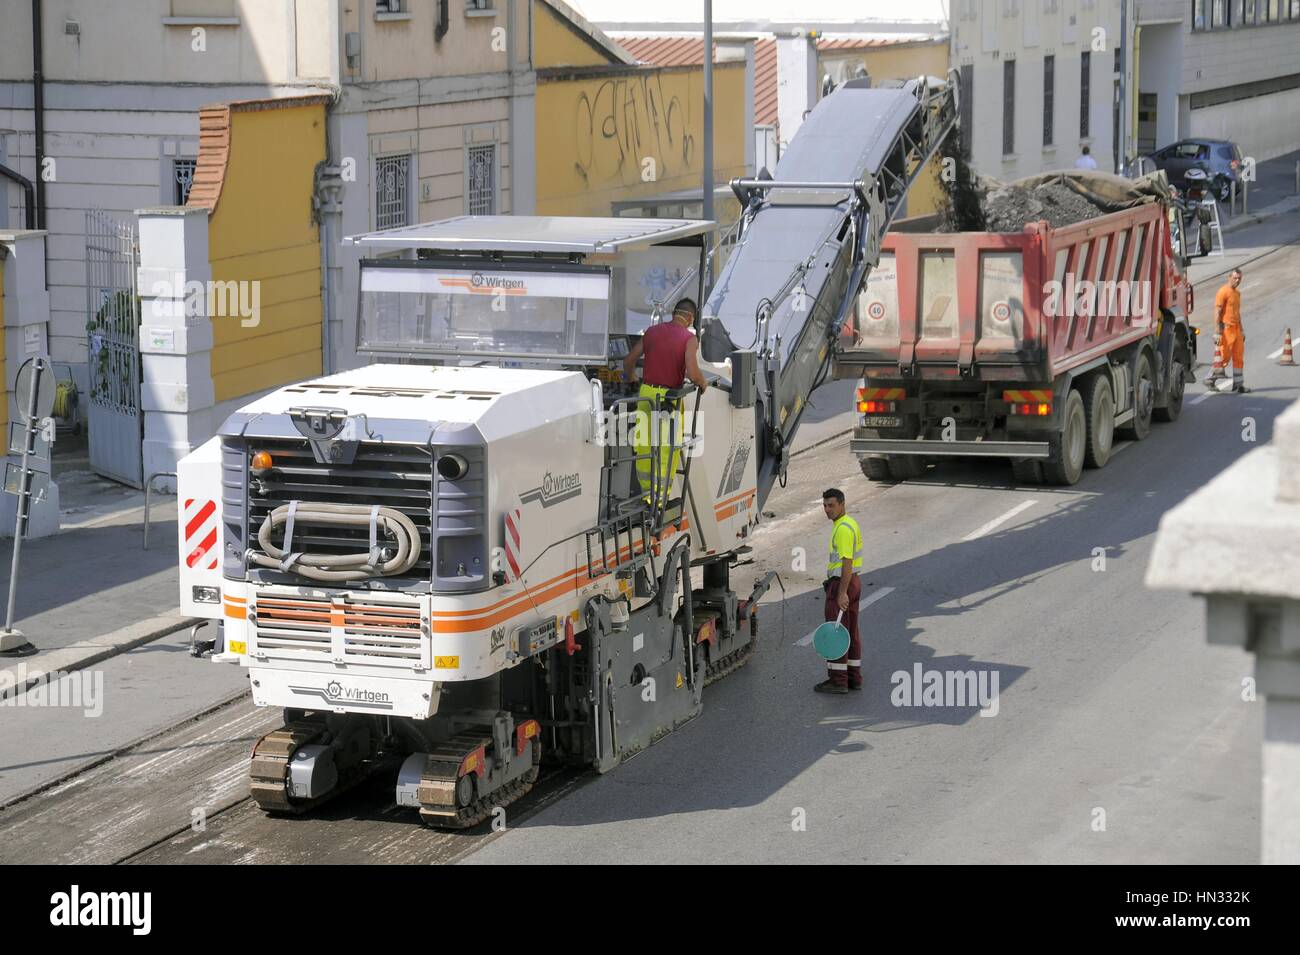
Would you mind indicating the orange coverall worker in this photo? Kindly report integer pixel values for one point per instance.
(1232, 343)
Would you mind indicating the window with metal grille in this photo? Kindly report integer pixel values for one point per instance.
(967, 92)
(1085, 93)
(1049, 97)
(182, 180)
(480, 194)
(1008, 107)
(392, 195)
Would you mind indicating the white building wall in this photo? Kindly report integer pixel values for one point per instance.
(986, 33)
(1253, 124)
(103, 156)
(1176, 61)
(1160, 68)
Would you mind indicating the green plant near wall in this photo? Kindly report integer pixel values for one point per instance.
(116, 321)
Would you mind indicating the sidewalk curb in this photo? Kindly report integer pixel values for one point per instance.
(74, 657)
(1254, 218)
(122, 750)
(824, 441)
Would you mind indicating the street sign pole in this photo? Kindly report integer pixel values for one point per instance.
(12, 642)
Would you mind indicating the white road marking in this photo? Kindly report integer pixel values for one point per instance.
(1120, 447)
(1209, 394)
(863, 604)
(1277, 354)
(998, 521)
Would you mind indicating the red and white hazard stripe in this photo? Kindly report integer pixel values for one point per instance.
(514, 542)
(200, 519)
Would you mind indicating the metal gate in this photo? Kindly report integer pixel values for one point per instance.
(113, 355)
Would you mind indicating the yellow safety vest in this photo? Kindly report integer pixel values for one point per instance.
(834, 563)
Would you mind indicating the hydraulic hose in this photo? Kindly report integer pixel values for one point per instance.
(405, 542)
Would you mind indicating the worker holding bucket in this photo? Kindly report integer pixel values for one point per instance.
(837, 639)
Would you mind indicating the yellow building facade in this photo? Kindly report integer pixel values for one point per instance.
(610, 131)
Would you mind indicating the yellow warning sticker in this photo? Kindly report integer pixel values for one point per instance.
(680, 681)
(237, 646)
(446, 663)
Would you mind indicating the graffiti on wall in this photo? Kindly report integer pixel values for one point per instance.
(626, 121)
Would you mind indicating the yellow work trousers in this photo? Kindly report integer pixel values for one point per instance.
(658, 468)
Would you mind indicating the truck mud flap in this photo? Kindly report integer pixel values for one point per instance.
(961, 449)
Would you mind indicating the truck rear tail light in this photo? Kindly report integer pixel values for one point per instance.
(876, 407)
(1040, 409)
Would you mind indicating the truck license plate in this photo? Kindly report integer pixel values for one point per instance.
(882, 421)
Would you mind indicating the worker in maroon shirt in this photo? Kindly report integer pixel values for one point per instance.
(672, 355)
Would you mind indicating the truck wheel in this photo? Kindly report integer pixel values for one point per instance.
(876, 469)
(1144, 395)
(904, 466)
(1099, 409)
(1027, 470)
(1065, 464)
(1174, 403)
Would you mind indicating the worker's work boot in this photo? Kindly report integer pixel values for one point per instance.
(830, 686)
(1213, 380)
(1240, 390)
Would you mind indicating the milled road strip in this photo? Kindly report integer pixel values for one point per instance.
(862, 605)
(998, 521)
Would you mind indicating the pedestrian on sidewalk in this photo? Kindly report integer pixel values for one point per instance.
(1227, 328)
(1085, 161)
(843, 591)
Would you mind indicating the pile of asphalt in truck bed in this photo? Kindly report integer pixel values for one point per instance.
(1008, 207)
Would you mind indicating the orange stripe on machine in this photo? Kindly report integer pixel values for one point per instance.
(885, 394)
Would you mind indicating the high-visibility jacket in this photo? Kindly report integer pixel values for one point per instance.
(846, 541)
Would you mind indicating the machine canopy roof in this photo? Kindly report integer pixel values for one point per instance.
(566, 234)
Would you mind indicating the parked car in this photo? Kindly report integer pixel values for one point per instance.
(1218, 158)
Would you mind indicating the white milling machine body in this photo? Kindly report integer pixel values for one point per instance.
(448, 566)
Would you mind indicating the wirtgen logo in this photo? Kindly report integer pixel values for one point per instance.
(76, 908)
(334, 690)
(554, 489)
(242, 300)
(479, 280)
(78, 689)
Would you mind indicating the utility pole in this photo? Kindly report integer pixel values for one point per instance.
(708, 126)
(708, 109)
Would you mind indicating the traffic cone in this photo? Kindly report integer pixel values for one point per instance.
(1287, 358)
(1216, 372)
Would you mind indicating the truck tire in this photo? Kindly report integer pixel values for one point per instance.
(875, 469)
(1099, 409)
(1065, 463)
(904, 466)
(1027, 470)
(1144, 383)
(1177, 386)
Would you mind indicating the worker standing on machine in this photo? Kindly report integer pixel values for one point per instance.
(843, 591)
(672, 355)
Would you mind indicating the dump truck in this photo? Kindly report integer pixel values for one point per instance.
(1040, 346)
(443, 565)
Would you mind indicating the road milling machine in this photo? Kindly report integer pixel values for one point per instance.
(444, 563)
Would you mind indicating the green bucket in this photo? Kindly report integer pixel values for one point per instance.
(831, 639)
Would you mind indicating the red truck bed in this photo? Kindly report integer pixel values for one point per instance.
(1037, 346)
(982, 303)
